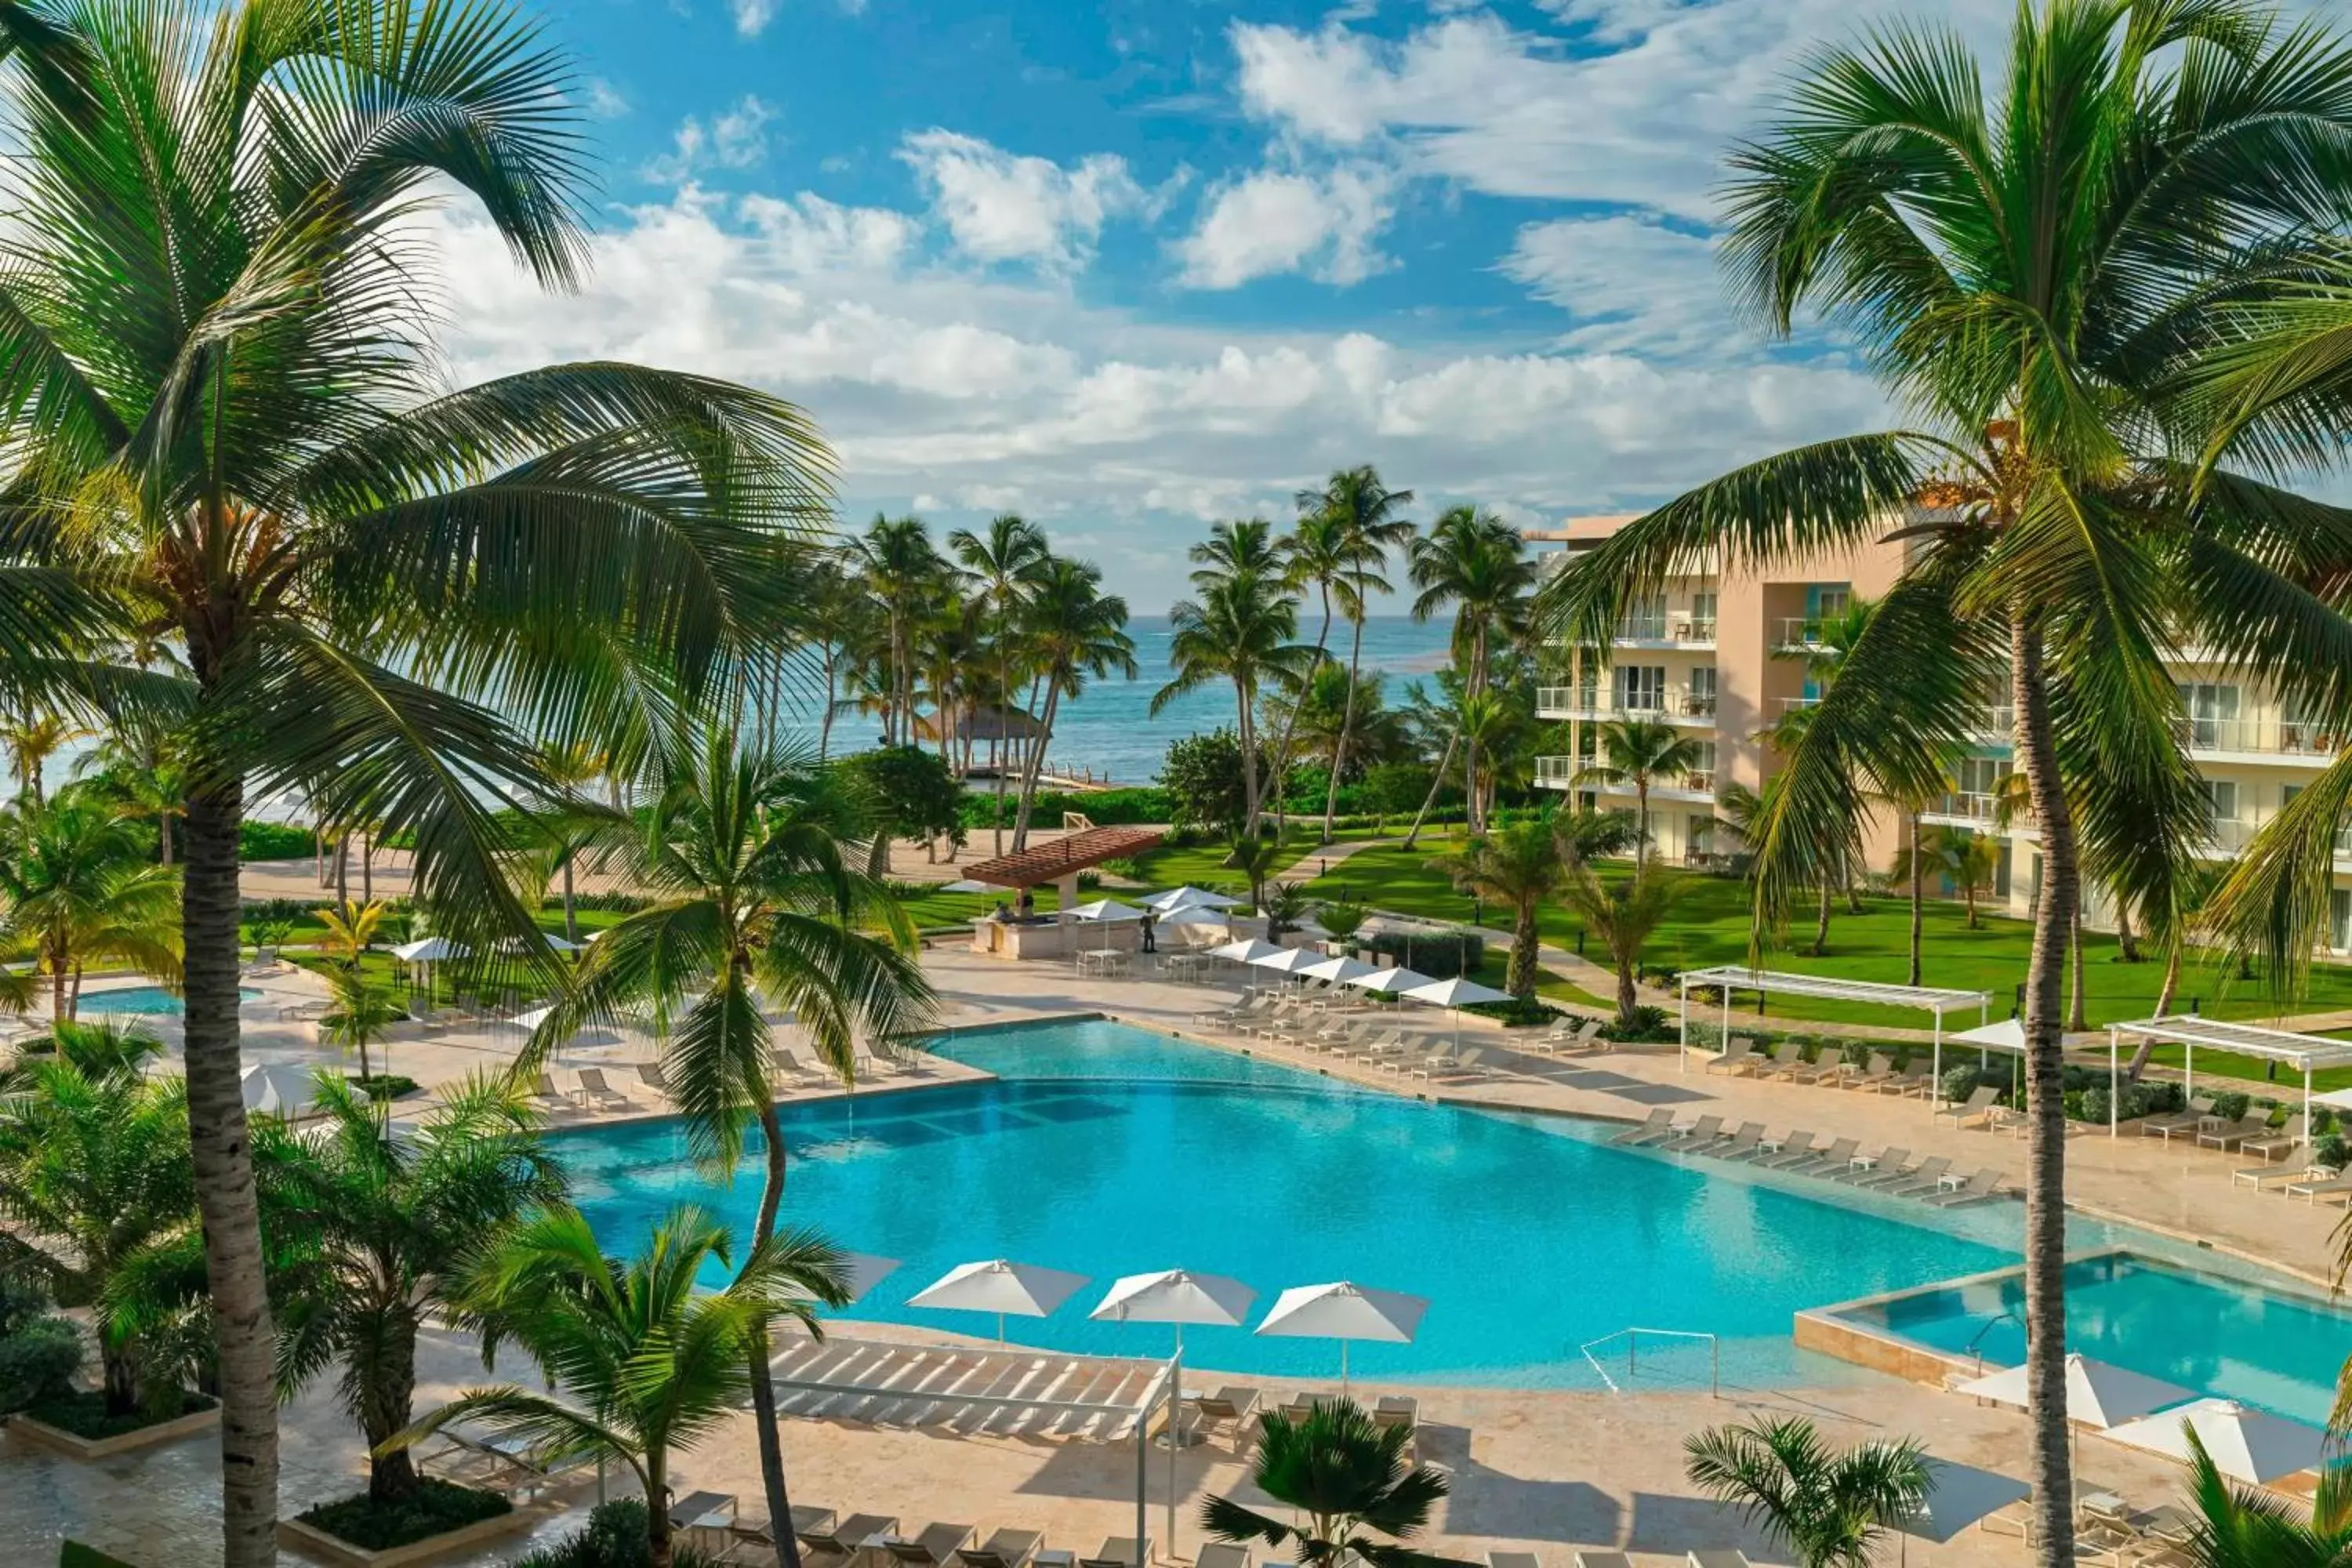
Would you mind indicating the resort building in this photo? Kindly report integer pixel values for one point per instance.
(1726, 653)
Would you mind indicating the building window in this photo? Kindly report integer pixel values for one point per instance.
(1642, 687)
(2212, 711)
(1702, 690)
(1823, 600)
(1703, 616)
(1646, 620)
(2339, 920)
(2221, 799)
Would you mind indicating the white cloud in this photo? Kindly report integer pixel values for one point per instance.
(602, 99)
(1626, 282)
(1001, 206)
(813, 234)
(1276, 221)
(738, 139)
(752, 16)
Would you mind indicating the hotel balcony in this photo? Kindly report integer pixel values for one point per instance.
(1963, 810)
(1697, 787)
(1676, 707)
(2273, 740)
(1676, 629)
(1796, 634)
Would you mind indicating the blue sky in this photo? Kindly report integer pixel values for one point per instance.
(1131, 266)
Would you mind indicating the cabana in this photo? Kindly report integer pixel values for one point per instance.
(1829, 987)
(2307, 1052)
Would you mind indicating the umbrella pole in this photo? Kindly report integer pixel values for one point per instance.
(1343, 1369)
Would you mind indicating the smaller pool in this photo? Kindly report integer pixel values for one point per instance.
(147, 1001)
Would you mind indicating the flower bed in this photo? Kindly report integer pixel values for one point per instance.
(435, 1508)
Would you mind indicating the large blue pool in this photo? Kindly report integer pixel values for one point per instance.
(1109, 1150)
(145, 1001)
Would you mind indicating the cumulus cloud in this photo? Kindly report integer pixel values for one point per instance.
(1626, 282)
(752, 16)
(1003, 206)
(1276, 221)
(737, 139)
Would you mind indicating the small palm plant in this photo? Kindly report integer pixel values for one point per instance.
(1519, 865)
(1350, 1481)
(1624, 913)
(648, 1364)
(362, 1016)
(1640, 752)
(1830, 1508)
(2238, 1527)
(1255, 858)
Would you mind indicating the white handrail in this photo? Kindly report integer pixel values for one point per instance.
(1632, 1338)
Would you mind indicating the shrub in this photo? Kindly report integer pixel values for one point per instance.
(2332, 1151)
(2092, 1103)
(83, 1413)
(435, 1508)
(1089, 882)
(1202, 779)
(38, 1358)
(2231, 1106)
(73, 1554)
(387, 1085)
(1960, 1081)
(292, 911)
(274, 841)
(1125, 866)
(1648, 1026)
(1519, 1013)
(614, 1537)
(1441, 956)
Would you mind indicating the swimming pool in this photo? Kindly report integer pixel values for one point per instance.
(146, 1001)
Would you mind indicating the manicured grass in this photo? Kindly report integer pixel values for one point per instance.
(435, 1508)
(930, 907)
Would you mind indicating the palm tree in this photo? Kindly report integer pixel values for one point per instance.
(1371, 521)
(2249, 1528)
(1521, 866)
(1968, 861)
(1074, 630)
(756, 908)
(1239, 630)
(652, 1363)
(1476, 562)
(1352, 1482)
(1624, 911)
(1320, 551)
(1002, 565)
(1254, 857)
(1639, 752)
(390, 1221)
(94, 1175)
(361, 1016)
(2011, 261)
(34, 739)
(1829, 1508)
(227, 400)
(79, 887)
(569, 769)
(351, 930)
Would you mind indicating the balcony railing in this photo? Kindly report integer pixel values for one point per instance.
(2264, 737)
(1968, 807)
(1792, 704)
(1798, 631)
(1698, 781)
(1552, 701)
(1553, 772)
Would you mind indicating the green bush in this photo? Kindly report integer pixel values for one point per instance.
(435, 1508)
(2231, 1106)
(274, 841)
(614, 1537)
(291, 911)
(1104, 808)
(1648, 1026)
(73, 1554)
(386, 1085)
(1960, 1081)
(2332, 1151)
(38, 1358)
(83, 1413)
(1441, 956)
(1519, 1013)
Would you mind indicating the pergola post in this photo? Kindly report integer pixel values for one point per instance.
(1723, 1040)
(1936, 1093)
(2115, 1108)
(1682, 1047)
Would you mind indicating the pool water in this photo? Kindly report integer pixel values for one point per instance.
(146, 1001)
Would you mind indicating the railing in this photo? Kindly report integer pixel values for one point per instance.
(1555, 702)
(1994, 721)
(1554, 772)
(1696, 628)
(2263, 736)
(1699, 781)
(1790, 704)
(1643, 629)
(1632, 1338)
(1797, 631)
(1968, 806)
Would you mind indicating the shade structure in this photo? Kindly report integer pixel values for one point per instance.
(1177, 1296)
(532, 1019)
(1829, 987)
(1336, 970)
(1248, 951)
(2306, 1054)
(2001, 1035)
(1190, 898)
(1391, 981)
(966, 885)
(999, 1286)
(1346, 1312)
(1958, 1497)
(1288, 960)
(1194, 915)
(1106, 910)
(515, 946)
(2250, 1446)
(2097, 1393)
(1455, 993)
(278, 1090)
(862, 1272)
(431, 950)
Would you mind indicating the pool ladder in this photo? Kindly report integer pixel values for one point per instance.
(1632, 1338)
(1978, 1338)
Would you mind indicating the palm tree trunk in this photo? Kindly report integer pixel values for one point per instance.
(658, 1551)
(163, 822)
(2126, 938)
(2074, 997)
(1347, 726)
(832, 694)
(2046, 1189)
(1428, 800)
(1290, 725)
(1248, 728)
(1918, 900)
(1525, 942)
(244, 1345)
(1821, 926)
(570, 915)
(2171, 984)
(1036, 764)
(1004, 717)
(1628, 1001)
(367, 867)
(763, 1387)
(388, 1393)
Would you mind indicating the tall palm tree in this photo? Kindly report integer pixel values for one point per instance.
(1520, 866)
(571, 824)
(1831, 1509)
(222, 393)
(1624, 911)
(2090, 283)
(1640, 752)
(1371, 520)
(1240, 630)
(901, 572)
(1351, 1481)
(756, 909)
(34, 739)
(389, 1223)
(359, 1016)
(1074, 631)
(1475, 563)
(1968, 861)
(79, 888)
(1002, 565)
(1319, 552)
(647, 1363)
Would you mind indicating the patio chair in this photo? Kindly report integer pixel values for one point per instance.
(1602, 1560)
(1231, 1406)
(1513, 1560)
(1979, 1188)
(1978, 1104)
(845, 1538)
(1705, 1130)
(2227, 1135)
(1917, 1081)
(1886, 1160)
(1926, 1176)
(2188, 1121)
(1005, 1549)
(1737, 1055)
(1471, 1061)
(1221, 1554)
(2295, 1167)
(788, 1065)
(1397, 1410)
(594, 1089)
(1828, 1066)
(1660, 1124)
(1433, 1061)
(1797, 1145)
(545, 1093)
(866, 1065)
(1740, 1145)
(1722, 1557)
(2312, 1191)
(651, 1075)
(2284, 1141)
(1119, 1552)
(1787, 1058)
(1821, 1161)
(1872, 1077)
(935, 1545)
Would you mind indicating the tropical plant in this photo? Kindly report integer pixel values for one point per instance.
(1342, 918)
(1830, 1508)
(224, 397)
(1475, 563)
(1351, 1481)
(33, 740)
(1002, 565)
(2090, 395)
(1283, 905)
(386, 1223)
(1254, 857)
(359, 1017)
(1624, 911)
(1968, 861)
(79, 888)
(1239, 630)
(1371, 521)
(756, 908)
(1072, 631)
(1519, 865)
(901, 571)
(650, 1363)
(349, 930)
(94, 1174)
(1640, 752)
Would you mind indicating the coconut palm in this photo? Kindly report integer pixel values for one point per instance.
(1002, 565)
(1074, 631)
(1352, 1482)
(223, 395)
(1475, 563)
(572, 825)
(2238, 1527)
(902, 572)
(1240, 630)
(1520, 866)
(387, 1222)
(351, 930)
(33, 740)
(756, 908)
(1829, 1508)
(1371, 521)
(1968, 861)
(2094, 284)
(644, 1362)
(1255, 859)
(359, 1017)
(1321, 553)
(1640, 752)
(1624, 911)
(81, 889)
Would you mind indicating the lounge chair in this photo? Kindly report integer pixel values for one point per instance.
(1221, 1554)
(1005, 1548)
(1722, 1557)
(1119, 1551)
(1660, 1124)
(2315, 1189)
(1979, 1103)
(1870, 1078)
(1797, 1145)
(593, 1088)
(1738, 1146)
(1978, 1188)
(1829, 1065)
(1602, 1560)
(788, 1065)
(1926, 1176)
(1513, 1560)
(651, 1075)
(1233, 1405)
(1586, 1036)
(1705, 1130)
(1903, 1085)
(1886, 1162)
(1737, 1055)
(1397, 1410)
(2188, 1121)
(1472, 1061)
(2295, 1167)
(2278, 1144)
(1821, 1161)
(2227, 1135)
(1440, 1060)
(1788, 1056)
(545, 1093)
(845, 1538)
(755, 1532)
(935, 1545)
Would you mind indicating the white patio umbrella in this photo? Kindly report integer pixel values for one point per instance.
(966, 885)
(1247, 951)
(1455, 994)
(1958, 1497)
(1391, 981)
(515, 945)
(532, 1019)
(1190, 898)
(1106, 910)
(2006, 1035)
(2097, 1393)
(2250, 1446)
(864, 1271)
(1196, 915)
(1177, 1296)
(1286, 960)
(1337, 971)
(1006, 1288)
(278, 1088)
(431, 950)
(1345, 1311)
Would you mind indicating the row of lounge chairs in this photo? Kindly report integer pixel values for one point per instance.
(1372, 1043)
(1740, 1058)
(1891, 1172)
(834, 1539)
(592, 1089)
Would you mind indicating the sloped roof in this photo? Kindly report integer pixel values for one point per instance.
(1065, 857)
